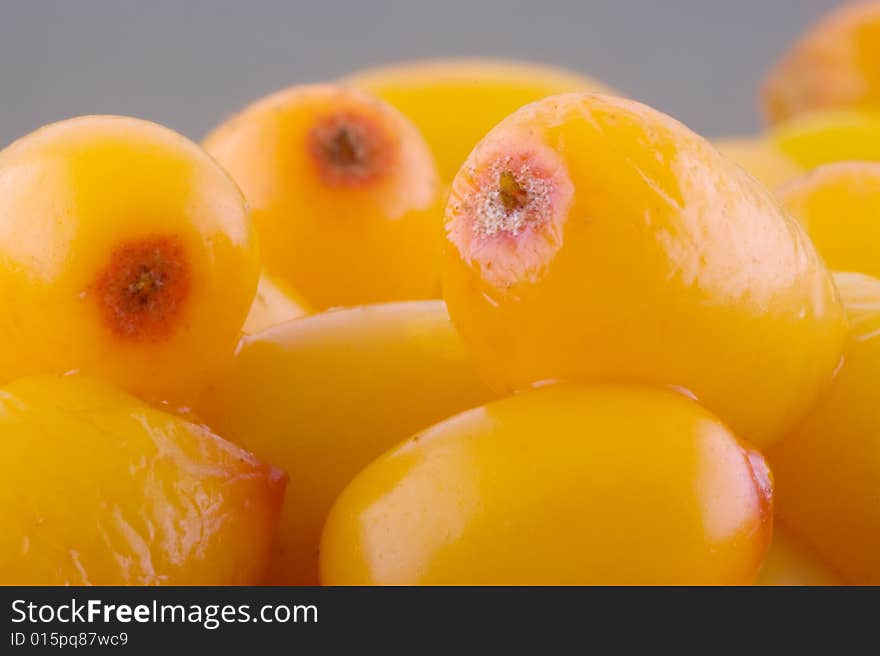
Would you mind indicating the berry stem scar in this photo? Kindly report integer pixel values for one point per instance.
(143, 288)
(349, 149)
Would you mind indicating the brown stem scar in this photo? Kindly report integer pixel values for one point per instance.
(343, 149)
(143, 288)
(349, 149)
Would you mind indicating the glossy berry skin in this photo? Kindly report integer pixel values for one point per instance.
(344, 193)
(828, 468)
(455, 102)
(790, 561)
(100, 489)
(558, 486)
(125, 252)
(593, 239)
(834, 64)
(839, 206)
(322, 396)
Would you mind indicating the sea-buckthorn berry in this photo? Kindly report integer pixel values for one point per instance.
(344, 192)
(839, 206)
(125, 252)
(593, 239)
(98, 488)
(323, 395)
(828, 468)
(834, 64)
(564, 485)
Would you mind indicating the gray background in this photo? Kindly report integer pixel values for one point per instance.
(189, 63)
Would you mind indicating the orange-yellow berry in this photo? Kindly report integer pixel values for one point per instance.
(562, 485)
(98, 488)
(591, 238)
(324, 395)
(344, 193)
(835, 64)
(828, 468)
(839, 205)
(125, 252)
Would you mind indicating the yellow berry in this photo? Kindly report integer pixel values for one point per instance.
(839, 205)
(324, 395)
(828, 469)
(627, 249)
(125, 252)
(563, 485)
(98, 488)
(344, 193)
(835, 64)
